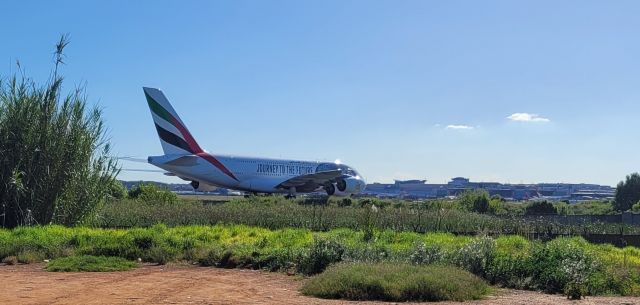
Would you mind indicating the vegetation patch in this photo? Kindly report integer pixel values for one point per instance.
(563, 265)
(88, 263)
(396, 282)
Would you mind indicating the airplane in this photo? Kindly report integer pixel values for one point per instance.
(183, 157)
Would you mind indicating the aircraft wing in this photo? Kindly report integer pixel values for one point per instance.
(311, 181)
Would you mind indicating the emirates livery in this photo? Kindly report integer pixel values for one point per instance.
(183, 157)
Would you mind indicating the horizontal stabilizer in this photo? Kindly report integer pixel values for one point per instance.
(187, 160)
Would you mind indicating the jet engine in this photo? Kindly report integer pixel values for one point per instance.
(344, 187)
(203, 187)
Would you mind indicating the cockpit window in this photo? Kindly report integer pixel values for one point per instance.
(323, 167)
(346, 170)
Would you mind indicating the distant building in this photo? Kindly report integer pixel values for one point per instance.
(457, 185)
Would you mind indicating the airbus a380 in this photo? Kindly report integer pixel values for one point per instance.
(183, 157)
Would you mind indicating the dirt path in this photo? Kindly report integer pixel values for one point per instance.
(30, 284)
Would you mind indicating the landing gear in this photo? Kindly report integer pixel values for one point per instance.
(250, 194)
(292, 193)
(330, 189)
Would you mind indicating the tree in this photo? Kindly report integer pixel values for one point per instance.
(627, 193)
(54, 156)
(152, 193)
(117, 190)
(474, 200)
(540, 208)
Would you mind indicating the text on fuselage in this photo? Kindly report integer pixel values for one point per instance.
(284, 169)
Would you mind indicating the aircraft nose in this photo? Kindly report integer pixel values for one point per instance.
(362, 183)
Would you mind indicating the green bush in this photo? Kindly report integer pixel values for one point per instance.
(542, 207)
(395, 282)
(321, 254)
(563, 266)
(627, 193)
(152, 193)
(88, 263)
(427, 254)
(476, 256)
(474, 200)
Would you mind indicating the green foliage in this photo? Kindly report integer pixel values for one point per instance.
(636, 207)
(153, 194)
(395, 282)
(474, 200)
(117, 190)
(563, 265)
(425, 254)
(345, 202)
(594, 207)
(54, 156)
(476, 256)
(320, 255)
(88, 263)
(274, 212)
(627, 193)
(541, 207)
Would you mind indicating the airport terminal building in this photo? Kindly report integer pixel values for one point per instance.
(419, 189)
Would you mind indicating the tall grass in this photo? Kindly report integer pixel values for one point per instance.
(54, 163)
(277, 213)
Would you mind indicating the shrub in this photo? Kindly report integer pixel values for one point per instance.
(474, 200)
(30, 256)
(426, 254)
(345, 202)
(627, 193)
(321, 254)
(542, 207)
(10, 260)
(161, 255)
(395, 282)
(152, 193)
(88, 263)
(563, 266)
(117, 190)
(476, 256)
(209, 258)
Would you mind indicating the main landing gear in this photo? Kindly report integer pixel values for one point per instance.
(330, 189)
(292, 193)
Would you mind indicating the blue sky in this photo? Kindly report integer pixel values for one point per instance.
(507, 91)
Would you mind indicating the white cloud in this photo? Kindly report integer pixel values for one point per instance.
(459, 127)
(527, 117)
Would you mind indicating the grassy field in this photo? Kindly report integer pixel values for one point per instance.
(512, 261)
(277, 213)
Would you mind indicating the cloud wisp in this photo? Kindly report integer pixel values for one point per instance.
(459, 127)
(527, 117)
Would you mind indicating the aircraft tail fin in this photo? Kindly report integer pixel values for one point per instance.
(174, 135)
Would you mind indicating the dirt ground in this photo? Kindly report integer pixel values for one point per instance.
(178, 284)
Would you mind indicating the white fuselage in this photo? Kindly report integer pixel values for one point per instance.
(260, 175)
